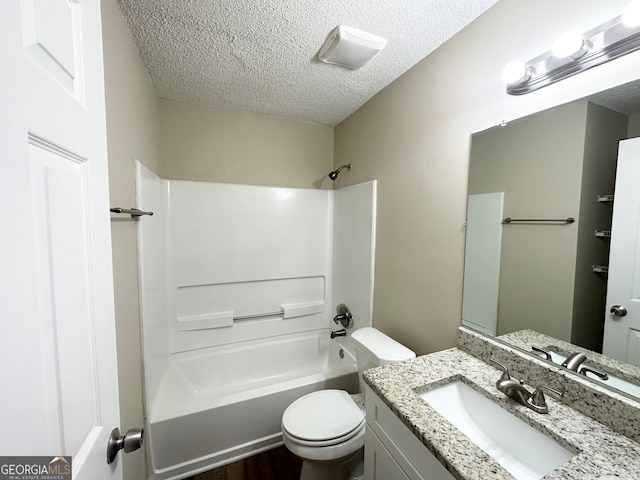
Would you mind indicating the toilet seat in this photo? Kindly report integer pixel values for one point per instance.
(323, 418)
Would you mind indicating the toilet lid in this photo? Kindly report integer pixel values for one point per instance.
(322, 415)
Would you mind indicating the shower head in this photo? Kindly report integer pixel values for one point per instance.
(333, 175)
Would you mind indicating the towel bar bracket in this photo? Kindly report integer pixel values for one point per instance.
(134, 212)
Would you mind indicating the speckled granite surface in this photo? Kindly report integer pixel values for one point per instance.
(600, 452)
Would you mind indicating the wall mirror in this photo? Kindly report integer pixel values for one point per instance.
(541, 196)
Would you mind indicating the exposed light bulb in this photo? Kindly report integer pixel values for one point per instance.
(516, 72)
(631, 15)
(570, 45)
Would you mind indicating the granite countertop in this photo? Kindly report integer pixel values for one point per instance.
(601, 453)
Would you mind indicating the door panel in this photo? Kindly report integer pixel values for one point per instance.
(51, 38)
(622, 333)
(59, 376)
(59, 188)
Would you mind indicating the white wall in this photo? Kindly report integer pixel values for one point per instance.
(240, 252)
(354, 230)
(414, 138)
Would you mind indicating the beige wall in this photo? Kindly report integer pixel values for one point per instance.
(214, 145)
(634, 126)
(414, 136)
(132, 113)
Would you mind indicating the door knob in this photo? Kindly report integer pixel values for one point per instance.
(618, 311)
(130, 441)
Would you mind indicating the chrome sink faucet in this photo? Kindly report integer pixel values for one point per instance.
(516, 390)
(573, 361)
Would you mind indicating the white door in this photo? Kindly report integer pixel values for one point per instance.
(58, 355)
(622, 317)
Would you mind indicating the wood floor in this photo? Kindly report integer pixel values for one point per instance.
(275, 464)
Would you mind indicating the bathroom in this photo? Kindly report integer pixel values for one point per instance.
(413, 138)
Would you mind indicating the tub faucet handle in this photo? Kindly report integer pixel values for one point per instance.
(343, 316)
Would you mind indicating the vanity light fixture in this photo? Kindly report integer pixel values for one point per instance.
(570, 45)
(516, 72)
(574, 52)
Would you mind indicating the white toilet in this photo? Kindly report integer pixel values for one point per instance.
(326, 428)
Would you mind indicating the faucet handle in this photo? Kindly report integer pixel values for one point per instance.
(546, 354)
(505, 370)
(537, 397)
(601, 375)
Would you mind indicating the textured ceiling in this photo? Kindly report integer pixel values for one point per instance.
(260, 55)
(623, 98)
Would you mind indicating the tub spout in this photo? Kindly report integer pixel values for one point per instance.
(339, 333)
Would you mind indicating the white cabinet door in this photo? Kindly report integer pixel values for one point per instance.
(622, 331)
(408, 453)
(59, 381)
(379, 464)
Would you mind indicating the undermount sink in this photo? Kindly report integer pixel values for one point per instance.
(519, 448)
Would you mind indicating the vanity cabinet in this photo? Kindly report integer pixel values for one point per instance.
(392, 451)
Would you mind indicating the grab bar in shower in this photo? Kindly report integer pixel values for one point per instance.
(540, 220)
(226, 318)
(134, 212)
(291, 310)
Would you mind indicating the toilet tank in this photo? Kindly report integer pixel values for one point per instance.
(373, 349)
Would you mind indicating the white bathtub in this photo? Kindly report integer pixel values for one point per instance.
(215, 406)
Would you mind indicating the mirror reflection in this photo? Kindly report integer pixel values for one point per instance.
(601, 369)
(544, 271)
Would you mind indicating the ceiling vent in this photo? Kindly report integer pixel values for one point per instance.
(350, 47)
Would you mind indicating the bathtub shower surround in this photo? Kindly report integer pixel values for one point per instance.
(239, 285)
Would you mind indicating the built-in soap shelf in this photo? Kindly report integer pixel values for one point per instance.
(600, 269)
(605, 198)
(603, 233)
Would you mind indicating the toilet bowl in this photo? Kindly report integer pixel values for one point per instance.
(326, 428)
